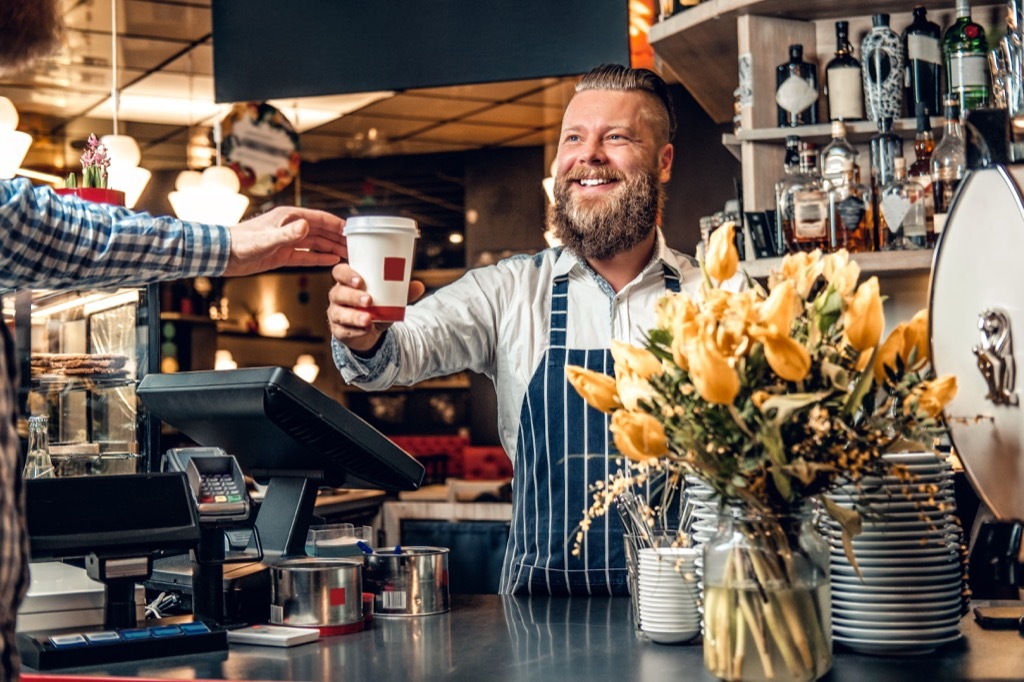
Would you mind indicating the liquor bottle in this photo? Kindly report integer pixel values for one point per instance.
(836, 153)
(882, 68)
(790, 167)
(38, 463)
(796, 90)
(948, 164)
(921, 46)
(902, 205)
(965, 52)
(921, 170)
(886, 147)
(844, 85)
(849, 213)
(803, 209)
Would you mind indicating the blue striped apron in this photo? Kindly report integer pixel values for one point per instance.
(564, 447)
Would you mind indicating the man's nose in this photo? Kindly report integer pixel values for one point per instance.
(592, 153)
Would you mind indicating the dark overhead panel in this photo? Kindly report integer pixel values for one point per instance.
(267, 49)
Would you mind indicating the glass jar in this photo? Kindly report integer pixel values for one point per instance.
(767, 604)
(37, 462)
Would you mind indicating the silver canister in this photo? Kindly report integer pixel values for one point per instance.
(316, 592)
(413, 582)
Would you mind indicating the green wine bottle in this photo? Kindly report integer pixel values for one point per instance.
(966, 55)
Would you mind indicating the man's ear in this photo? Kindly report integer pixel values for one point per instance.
(665, 163)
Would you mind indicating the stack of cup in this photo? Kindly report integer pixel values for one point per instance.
(667, 594)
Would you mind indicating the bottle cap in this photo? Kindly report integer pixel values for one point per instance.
(842, 27)
(899, 163)
(838, 129)
(796, 52)
(879, 20)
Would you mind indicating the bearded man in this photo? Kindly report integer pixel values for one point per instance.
(522, 320)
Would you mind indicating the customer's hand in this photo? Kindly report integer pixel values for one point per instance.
(285, 236)
(350, 322)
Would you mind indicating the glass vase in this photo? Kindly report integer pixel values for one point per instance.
(767, 605)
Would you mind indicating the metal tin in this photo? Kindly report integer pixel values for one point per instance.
(316, 592)
(411, 583)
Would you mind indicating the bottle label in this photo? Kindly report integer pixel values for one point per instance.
(967, 69)
(810, 215)
(845, 92)
(923, 48)
(895, 209)
(850, 212)
(796, 94)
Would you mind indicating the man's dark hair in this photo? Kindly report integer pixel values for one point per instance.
(28, 29)
(618, 77)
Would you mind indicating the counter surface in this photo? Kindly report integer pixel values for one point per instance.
(487, 637)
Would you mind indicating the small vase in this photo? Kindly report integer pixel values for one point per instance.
(767, 604)
(99, 195)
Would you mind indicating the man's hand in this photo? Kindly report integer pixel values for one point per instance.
(285, 236)
(350, 322)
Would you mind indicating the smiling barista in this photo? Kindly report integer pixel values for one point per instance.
(522, 320)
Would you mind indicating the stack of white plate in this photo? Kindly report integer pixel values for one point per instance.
(667, 594)
(909, 599)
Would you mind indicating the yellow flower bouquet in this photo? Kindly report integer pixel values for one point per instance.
(771, 398)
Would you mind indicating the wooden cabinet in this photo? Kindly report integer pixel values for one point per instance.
(707, 46)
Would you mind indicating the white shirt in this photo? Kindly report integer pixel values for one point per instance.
(494, 320)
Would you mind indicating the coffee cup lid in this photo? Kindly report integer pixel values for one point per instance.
(363, 224)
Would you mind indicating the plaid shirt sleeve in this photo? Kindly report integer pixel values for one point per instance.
(49, 240)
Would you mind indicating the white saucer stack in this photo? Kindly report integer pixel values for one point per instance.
(910, 597)
(667, 594)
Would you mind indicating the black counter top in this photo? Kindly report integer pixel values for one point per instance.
(538, 639)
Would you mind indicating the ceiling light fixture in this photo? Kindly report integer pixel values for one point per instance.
(124, 172)
(14, 144)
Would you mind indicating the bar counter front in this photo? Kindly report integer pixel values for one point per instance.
(543, 639)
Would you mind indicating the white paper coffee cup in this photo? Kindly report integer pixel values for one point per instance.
(381, 250)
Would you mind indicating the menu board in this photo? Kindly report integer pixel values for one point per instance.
(262, 147)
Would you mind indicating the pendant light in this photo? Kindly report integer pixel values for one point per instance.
(212, 196)
(124, 172)
(14, 144)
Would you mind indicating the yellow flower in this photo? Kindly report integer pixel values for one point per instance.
(916, 337)
(631, 389)
(722, 259)
(864, 319)
(930, 397)
(638, 435)
(597, 389)
(802, 269)
(638, 361)
(781, 307)
(888, 352)
(713, 376)
(841, 272)
(787, 357)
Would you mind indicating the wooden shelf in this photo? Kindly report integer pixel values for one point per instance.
(699, 46)
(877, 263)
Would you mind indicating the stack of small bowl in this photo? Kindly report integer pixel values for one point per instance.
(667, 594)
(908, 597)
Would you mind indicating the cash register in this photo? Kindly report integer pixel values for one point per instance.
(267, 422)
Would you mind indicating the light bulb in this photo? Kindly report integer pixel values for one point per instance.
(306, 367)
(123, 150)
(187, 179)
(224, 360)
(8, 115)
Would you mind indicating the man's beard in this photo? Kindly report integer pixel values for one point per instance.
(599, 231)
(28, 29)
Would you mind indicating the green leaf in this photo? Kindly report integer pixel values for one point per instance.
(829, 307)
(778, 409)
(770, 438)
(864, 383)
(849, 520)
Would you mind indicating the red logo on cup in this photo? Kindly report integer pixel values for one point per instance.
(337, 596)
(394, 269)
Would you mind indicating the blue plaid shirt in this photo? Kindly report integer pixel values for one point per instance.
(49, 242)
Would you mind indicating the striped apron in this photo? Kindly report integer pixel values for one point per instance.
(564, 448)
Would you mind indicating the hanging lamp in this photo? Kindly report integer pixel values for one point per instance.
(124, 172)
(14, 144)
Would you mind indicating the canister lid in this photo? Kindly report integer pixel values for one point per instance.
(363, 224)
(976, 313)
